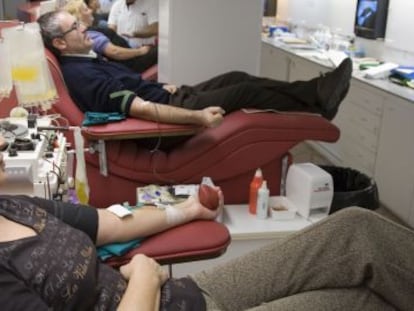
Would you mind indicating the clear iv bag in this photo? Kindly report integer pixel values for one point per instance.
(5, 70)
(29, 69)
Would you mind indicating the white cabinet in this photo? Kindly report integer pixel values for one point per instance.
(394, 172)
(274, 63)
(377, 132)
(304, 69)
(279, 64)
(359, 116)
(359, 119)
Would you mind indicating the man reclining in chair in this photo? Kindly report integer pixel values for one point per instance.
(101, 86)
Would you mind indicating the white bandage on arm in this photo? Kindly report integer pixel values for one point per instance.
(174, 215)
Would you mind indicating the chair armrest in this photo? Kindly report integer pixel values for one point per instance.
(197, 240)
(134, 128)
(289, 124)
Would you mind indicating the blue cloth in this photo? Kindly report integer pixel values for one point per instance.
(116, 249)
(94, 118)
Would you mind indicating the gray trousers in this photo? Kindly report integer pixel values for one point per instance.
(353, 260)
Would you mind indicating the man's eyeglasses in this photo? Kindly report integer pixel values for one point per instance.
(75, 26)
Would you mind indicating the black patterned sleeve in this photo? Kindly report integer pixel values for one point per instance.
(81, 217)
(14, 295)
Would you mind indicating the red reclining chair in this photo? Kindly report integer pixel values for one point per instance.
(229, 154)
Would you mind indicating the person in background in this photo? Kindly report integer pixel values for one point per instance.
(108, 87)
(108, 43)
(354, 259)
(136, 20)
(105, 7)
(99, 19)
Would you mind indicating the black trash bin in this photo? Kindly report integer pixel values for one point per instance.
(352, 188)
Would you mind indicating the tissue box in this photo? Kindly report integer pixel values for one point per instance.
(309, 188)
(281, 208)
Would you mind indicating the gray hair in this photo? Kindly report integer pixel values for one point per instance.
(50, 29)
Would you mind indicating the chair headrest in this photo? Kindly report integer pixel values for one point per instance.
(64, 105)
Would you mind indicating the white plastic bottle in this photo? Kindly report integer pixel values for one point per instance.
(262, 201)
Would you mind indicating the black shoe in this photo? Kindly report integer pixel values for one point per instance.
(332, 113)
(333, 87)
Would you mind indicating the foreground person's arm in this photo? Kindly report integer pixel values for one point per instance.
(147, 221)
(145, 278)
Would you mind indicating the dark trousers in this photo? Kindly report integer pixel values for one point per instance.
(236, 90)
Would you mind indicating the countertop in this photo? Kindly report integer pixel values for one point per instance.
(321, 58)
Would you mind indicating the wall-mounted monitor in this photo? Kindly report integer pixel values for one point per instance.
(371, 18)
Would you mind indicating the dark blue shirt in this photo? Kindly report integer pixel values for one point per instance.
(101, 86)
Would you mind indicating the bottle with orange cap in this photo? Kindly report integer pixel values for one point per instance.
(254, 188)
